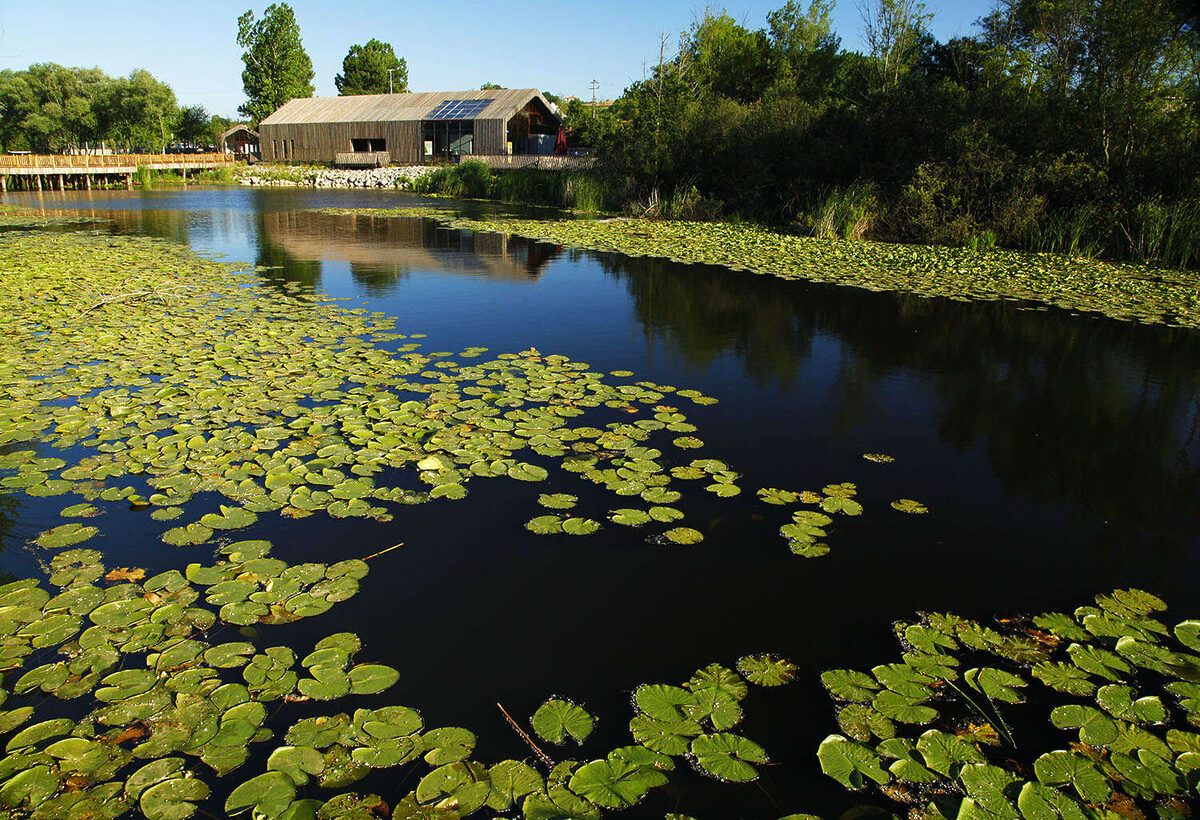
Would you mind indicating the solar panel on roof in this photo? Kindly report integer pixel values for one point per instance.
(458, 109)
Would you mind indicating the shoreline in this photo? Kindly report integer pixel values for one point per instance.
(1119, 290)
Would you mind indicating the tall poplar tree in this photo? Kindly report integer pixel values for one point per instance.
(277, 66)
(365, 70)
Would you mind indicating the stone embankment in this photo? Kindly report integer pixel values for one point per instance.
(391, 177)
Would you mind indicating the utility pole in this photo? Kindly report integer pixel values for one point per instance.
(389, 71)
(595, 85)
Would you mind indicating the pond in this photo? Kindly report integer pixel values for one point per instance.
(1058, 455)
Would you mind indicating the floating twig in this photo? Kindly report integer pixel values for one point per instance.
(545, 758)
(381, 552)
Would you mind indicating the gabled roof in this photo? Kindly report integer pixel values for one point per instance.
(239, 127)
(400, 107)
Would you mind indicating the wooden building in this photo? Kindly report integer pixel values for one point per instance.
(375, 129)
(240, 139)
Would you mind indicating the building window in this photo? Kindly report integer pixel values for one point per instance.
(445, 139)
(362, 146)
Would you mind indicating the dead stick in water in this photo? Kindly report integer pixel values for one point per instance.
(381, 552)
(528, 739)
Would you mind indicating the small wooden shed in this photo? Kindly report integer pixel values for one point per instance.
(240, 139)
(412, 128)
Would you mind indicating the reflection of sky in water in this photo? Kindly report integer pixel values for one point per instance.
(1059, 457)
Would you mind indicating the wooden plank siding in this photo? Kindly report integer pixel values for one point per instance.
(491, 136)
(321, 142)
(317, 129)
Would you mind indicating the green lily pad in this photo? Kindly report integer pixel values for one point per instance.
(65, 535)
(231, 518)
(558, 718)
(370, 679)
(767, 670)
(683, 535)
(173, 799)
(614, 783)
(269, 793)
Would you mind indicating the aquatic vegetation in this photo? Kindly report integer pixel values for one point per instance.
(1120, 685)
(284, 405)
(166, 708)
(177, 388)
(1128, 292)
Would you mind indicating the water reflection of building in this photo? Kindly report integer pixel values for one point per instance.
(397, 246)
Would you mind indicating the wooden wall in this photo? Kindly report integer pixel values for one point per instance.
(320, 142)
(491, 137)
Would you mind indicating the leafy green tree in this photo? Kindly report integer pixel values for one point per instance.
(277, 66)
(365, 70)
(217, 126)
(804, 47)
(893, 30)
(491, 87)
(192, 126)
(719, 56)
(138, 111)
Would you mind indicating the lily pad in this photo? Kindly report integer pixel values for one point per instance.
(558, 718)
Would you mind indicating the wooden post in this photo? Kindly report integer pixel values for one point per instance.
(87, 182)
(184, 172)
(129, 182)
(3, 184)
(38, 179)
(62, 182)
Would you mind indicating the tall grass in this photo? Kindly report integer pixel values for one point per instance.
(1167, 233)
(848, 212)
(580, 190)
(221, 175)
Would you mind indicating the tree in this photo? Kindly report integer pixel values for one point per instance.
(804, 44)
(894, 30)
(192, 126)
(491, 87)
(277, 66)
(138, 111)
(365, 70)
(722, 57)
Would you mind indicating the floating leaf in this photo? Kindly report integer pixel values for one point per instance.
(558, 718)
(728, 757)
(614, 783)
(64, 535)
(849, 763)
(683, 535)
(1094, 726)
(767, 670)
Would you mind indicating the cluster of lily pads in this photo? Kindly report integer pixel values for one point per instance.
(162, 708)
(179, 379)
(946, 730)
(134, 373)
(1124, 291)
(284, 404)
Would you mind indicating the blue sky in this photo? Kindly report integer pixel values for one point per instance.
(553, 45)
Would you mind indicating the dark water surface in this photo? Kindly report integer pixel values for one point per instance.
(1058, 454)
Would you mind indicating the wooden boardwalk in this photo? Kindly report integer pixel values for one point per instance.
(56, 170)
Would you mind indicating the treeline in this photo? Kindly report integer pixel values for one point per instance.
(49, 108)
(1061, 125)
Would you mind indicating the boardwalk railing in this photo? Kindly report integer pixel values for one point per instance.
(81, 163)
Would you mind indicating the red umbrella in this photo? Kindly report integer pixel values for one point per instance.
(560, 145)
